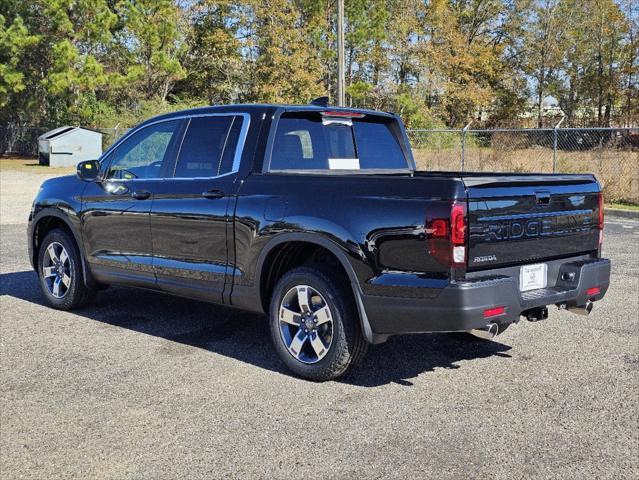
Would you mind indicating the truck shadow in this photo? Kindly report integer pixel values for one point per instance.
(245, 336)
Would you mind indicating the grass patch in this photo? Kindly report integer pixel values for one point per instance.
(31, 165)
(615, 170)
(623, 206)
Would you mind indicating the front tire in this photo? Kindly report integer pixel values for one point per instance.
(60, 272)
(314, 324)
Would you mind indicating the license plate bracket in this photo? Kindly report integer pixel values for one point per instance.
(533, 277)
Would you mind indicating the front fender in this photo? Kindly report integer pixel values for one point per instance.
(43, 214)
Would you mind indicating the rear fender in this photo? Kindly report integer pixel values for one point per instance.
(341, 256)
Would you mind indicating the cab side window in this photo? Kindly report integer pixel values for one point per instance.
(208, 148)
(142, 154)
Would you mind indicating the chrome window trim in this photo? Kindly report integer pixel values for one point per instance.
(179, 150)
(226, 141)
(239, 148)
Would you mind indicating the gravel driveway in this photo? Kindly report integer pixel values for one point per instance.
(142, 385)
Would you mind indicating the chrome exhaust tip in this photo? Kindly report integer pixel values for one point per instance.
(488, 332)
(583, 310)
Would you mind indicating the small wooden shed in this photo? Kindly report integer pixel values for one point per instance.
(66, 146)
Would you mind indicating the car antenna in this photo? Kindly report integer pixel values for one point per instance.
(320, 102)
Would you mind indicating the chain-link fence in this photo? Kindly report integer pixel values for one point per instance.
(20, 140)
(612, 154)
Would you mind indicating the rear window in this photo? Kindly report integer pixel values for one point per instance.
(313, 142)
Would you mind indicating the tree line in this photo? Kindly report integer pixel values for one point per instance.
(439, 63)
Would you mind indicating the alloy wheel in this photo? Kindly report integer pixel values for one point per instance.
(56, 270)
(306, 324)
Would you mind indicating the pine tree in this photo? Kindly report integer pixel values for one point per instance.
(213, 62)
(284, 66)
(151, 46)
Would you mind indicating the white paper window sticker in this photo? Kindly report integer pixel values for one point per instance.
(343, 163)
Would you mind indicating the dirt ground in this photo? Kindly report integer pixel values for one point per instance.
(20, 179)
(141, 385)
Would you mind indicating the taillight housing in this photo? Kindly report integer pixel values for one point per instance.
(447, 236)
(600, 222)
(601, 210)
(458, 232)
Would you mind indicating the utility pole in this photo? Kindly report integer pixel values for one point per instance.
(340, 53)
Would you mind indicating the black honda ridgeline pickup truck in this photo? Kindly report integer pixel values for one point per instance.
(317, 217)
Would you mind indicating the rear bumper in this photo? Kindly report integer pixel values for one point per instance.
(460, 306)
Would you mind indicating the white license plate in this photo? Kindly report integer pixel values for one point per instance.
(532, 277)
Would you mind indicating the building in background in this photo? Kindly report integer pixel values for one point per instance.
(66, 146)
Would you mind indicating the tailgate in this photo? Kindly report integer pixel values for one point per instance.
(517, 219)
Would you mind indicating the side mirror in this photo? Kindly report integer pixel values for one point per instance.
(88, 170)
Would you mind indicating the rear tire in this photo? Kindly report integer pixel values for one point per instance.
(314, 324)
(60, 272)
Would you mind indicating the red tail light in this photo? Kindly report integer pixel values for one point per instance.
(439, 228)
(447, 237)
(458, 224)
(493, 312)
(593, 291)
(458, 233)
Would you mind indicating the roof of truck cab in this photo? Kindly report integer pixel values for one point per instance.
(258, 108)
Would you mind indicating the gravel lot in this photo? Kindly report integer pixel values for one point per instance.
(142, 385)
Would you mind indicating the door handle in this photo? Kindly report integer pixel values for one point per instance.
(213, 194)
(543, 198)
(141, 194)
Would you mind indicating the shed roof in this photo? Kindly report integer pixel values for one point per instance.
(62, 131)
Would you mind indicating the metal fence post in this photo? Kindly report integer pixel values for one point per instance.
(554, 145)
(463, 146)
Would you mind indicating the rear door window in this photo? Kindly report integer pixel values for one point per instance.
(311, 142)
(208, 147)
